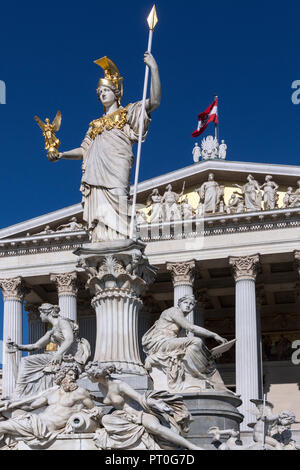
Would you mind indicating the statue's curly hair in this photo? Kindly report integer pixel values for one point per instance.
(50, 309)
(97, 370)
(63, 372)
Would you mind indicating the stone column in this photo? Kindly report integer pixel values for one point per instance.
(67, 288)
(202, 300)
(247, 341)
(117, 278)
(13, 291)
(36, 328)
(183, 275)
(297, 260)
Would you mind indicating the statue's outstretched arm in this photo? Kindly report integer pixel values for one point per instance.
(155, 90)
(197, 330)
(42, 342)
(75, 154)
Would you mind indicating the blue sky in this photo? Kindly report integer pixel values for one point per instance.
(246, 52)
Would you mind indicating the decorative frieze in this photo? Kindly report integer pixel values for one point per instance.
(13, 289)
(244, 267)
(182, 273)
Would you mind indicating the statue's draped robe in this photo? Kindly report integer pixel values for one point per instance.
(106, 168)
(179, 357)
(37, 373)
(209, 192)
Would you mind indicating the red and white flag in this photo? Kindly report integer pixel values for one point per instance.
(209, 115)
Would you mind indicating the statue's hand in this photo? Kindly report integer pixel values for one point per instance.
(54, 157)
(220, 340)
(149, 60)
(12, 347)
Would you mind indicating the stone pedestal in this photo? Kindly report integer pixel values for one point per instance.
(118, 274)
(67, 288)
(210, 409)
(183, 275)
(13, 294)
(247, 340)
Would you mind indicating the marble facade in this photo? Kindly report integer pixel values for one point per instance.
(243, 269)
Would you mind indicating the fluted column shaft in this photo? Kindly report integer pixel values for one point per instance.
(183, 276)
(36, 328)
(13, 294)
(117, 330)
(67, 289)
(247, 341)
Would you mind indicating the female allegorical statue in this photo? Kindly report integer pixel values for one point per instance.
(152, 421)
(181, 363)
(252, 194)
(107, 156)
(37, 372)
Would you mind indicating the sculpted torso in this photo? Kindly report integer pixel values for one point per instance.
(62, 405)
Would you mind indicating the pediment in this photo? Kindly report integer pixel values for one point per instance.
(225, 172)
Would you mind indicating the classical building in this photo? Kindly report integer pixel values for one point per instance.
(241, 261)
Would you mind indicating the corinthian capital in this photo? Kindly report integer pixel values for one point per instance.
(13, 289)
(67, 283)
(182, 273)
(244, 267)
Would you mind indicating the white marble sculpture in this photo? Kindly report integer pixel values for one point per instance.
(196, 153)
(72, 226)
(288, 197)
(292, 198)
(141, 217)
(272, 431)
(187, 209)
(59, 405)
(252, 194)
(37, 372)
(209, 148)
(222, 150)
(270, 193)
(209, 194)
(152, 421)
(107, 156)
(235, 204)
(232, 442)
(157, 207)
(181, 363)
(170, 200)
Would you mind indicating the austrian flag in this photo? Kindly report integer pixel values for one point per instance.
(209, 115)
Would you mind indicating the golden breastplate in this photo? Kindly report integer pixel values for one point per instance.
(116, 119)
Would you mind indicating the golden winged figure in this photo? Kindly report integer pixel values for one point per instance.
(51, 141)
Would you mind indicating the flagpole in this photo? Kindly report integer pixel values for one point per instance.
(152, 21)
(216, 125)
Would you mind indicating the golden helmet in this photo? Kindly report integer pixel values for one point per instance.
(112, 75)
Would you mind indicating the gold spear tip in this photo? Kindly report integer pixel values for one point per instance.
(152, 19)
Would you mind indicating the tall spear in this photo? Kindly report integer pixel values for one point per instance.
(152, 22)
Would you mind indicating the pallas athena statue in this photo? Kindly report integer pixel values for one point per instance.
(107, 155)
